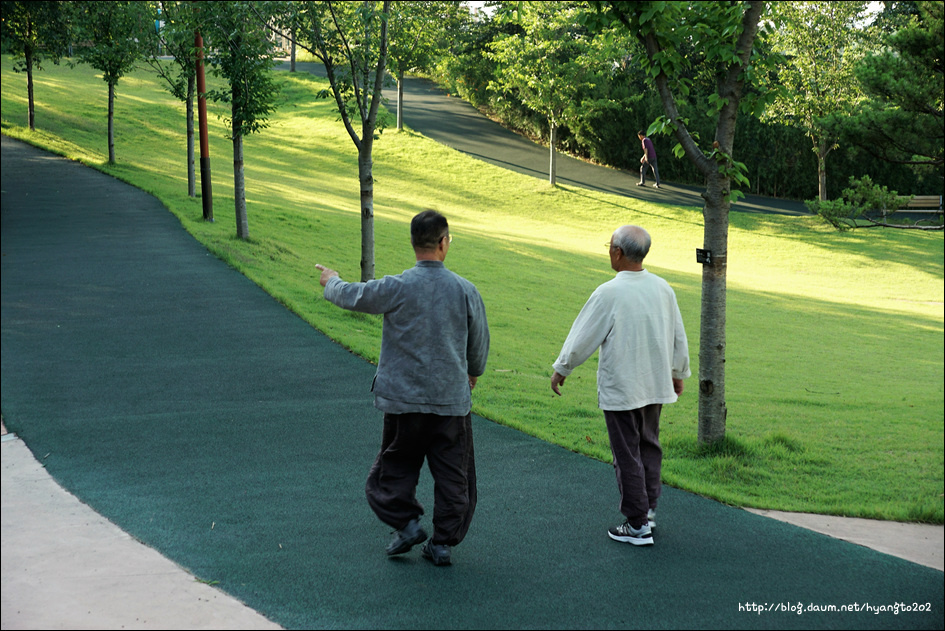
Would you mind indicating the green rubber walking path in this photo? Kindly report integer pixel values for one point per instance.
(183, 403)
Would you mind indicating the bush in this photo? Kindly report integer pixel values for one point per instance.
(862, 199)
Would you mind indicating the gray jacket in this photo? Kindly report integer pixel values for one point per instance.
(435, 335)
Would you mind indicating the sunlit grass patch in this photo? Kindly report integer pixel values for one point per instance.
(835, 340)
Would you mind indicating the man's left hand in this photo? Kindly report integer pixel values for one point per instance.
(557, 379)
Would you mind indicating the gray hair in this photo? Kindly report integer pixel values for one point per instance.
(633, 241)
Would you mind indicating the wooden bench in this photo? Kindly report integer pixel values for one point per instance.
(917, 205)
(923, 204)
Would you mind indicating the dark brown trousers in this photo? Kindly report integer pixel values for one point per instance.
(635, 443)
(446, 443)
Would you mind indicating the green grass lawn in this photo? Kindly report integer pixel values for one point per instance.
(835, 340)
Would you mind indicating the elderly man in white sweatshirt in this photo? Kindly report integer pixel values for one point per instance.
(644, 356)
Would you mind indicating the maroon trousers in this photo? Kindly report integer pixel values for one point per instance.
(446, 443)
(635, 443)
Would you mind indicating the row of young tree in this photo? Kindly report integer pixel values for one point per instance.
(358, 43)
(593, 72)
(847, 85)
(116, 37)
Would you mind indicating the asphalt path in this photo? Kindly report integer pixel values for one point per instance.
(185, 405)
(451, 121)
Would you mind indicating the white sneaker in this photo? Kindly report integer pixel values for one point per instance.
(626, 533)
(651, 518)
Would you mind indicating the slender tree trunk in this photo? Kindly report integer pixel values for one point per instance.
(366, 151)
(292, 53)
(822, 151)
(712, 409)
(239, 183)
(366, 179)
(400, 100)
(191, 175)
(553, 158)
(239, 189)
(365, 143)
(31, 111)
(111, 123)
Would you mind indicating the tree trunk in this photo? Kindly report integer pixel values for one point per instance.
(191, 175)
(364, 144)
(553, 158)
(365, 155)
(239, 188)
(366, 179)
(31, 111)
(111, 123)
(712, 409)
(400, 100)
(292, 53)
(822, 152)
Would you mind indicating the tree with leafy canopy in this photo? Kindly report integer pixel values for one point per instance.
(726, 34)
(111, 38)
(35, 32)
(242, 54)
(902, 122)
(416, 30)
(823, 42)
(351, 40)
(176, 39)
(546, 63)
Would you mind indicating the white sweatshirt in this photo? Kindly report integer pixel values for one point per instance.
(635, 321)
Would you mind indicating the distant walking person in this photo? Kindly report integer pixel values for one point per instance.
(434, 347)
(644, 356)
(648, 160)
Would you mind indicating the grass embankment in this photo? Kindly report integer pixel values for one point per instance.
(835, 341)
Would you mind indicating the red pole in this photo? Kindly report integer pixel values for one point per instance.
(206, 186)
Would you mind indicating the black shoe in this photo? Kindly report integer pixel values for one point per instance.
(438, 554)
(403, 540)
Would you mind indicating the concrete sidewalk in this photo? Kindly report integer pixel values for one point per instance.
(67, 567)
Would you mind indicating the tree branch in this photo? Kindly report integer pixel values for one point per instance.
(735, 77)
(381, 63)
(351, 59)
(685, 139)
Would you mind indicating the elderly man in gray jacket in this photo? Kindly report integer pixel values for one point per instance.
(433, 349)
